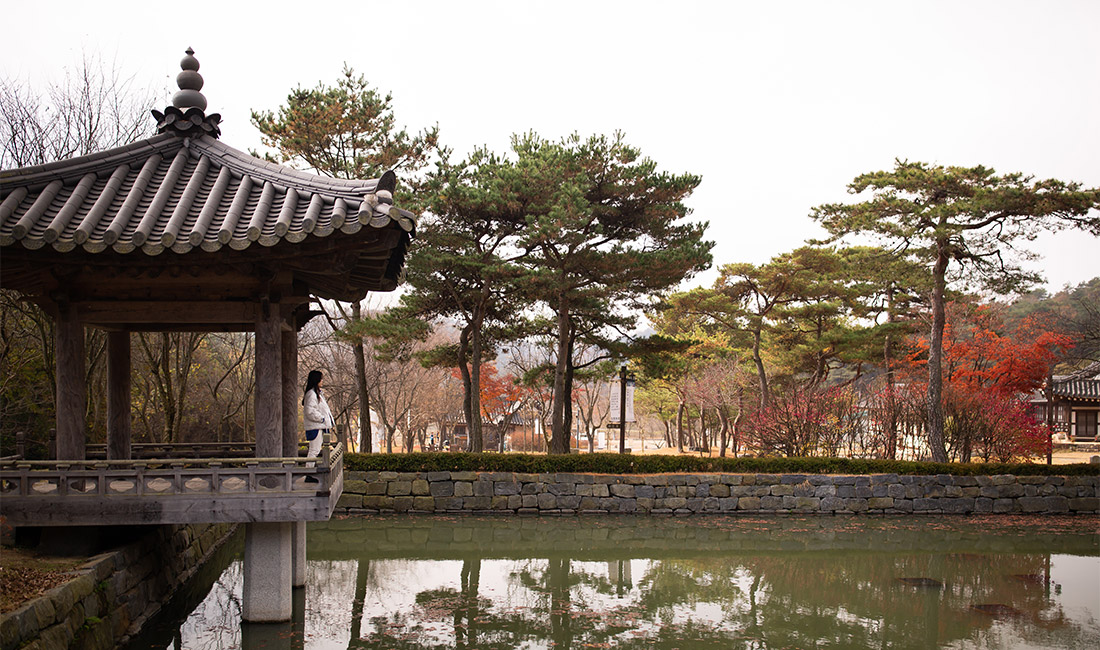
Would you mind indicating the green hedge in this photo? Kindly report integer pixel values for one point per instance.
(608, 463)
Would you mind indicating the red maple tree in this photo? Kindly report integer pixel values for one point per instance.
(501, 399)
(988, 374)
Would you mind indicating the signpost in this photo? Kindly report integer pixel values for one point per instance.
(622, 406)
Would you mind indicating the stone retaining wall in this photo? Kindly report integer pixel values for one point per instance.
(685, 494)
(112, 595)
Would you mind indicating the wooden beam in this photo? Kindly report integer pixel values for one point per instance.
(118, 395)
(71, 391)
(269, 383)
(153, 311)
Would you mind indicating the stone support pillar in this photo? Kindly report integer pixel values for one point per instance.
(71, 390)
(269, 383)
(299, 554)
(291, 392)
(267, 572)
(118, 396)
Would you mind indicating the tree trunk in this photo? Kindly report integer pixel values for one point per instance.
(467, 382)
(288, 366)
(890, 424)
(569, 374)
(723, 431)
(737, 421)
(680, 426)
(704, 440)
(762, 376)
(118, 396)
(935, 357)
(1049, 419)
(476, 439)
(559, 433)
(366, 434)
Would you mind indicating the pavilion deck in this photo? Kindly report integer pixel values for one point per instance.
(183, 484)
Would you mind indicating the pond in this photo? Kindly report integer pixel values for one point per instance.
(406, 582)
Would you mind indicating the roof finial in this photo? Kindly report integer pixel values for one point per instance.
(186, 115)
(190, 83)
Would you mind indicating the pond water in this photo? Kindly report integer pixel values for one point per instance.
(406, 582)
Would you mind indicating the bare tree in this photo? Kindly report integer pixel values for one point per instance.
(166, 374)
(591, 392)
(95, 107)
(318, 349)
(400, 381)
(720, 387)
(229, 381)
(534, 363)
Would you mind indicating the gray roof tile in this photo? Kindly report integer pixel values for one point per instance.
(170, 193)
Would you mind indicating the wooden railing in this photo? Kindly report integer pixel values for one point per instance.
(152, 450)
(172, 487)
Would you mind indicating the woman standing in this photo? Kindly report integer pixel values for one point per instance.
(315, 413)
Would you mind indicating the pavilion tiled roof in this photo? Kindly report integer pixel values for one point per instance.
(172, 193)
(181, 193)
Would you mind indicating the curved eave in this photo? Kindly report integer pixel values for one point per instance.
(169, 194)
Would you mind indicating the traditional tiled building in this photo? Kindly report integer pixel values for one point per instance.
(180, 232)
(1075, 399)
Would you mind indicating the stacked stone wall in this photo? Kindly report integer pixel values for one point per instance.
(685, 494)
(112, 595)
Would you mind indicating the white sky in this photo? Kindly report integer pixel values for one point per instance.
(778, 105)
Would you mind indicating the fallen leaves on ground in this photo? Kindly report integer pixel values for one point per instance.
(24, 576)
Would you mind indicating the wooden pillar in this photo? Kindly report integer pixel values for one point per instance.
(291, 396)
(118, 396)
(70, 398)
(269, 382)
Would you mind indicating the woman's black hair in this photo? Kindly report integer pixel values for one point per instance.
(313, 381)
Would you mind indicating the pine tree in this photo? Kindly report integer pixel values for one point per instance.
(604, 235)
(464, 268)
(966, 223)
(348, 131)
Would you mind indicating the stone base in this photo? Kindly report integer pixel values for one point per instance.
(268, 560)
(299, 553)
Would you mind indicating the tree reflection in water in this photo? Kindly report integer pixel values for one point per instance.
(466, 583)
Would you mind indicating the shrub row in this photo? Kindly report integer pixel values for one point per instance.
(607, 463)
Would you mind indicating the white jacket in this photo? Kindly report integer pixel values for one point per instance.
(315, 412)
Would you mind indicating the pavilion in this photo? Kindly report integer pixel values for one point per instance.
(180, 232)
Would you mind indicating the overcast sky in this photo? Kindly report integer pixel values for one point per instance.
(777, 105)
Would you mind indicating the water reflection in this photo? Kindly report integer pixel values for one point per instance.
(761, 583)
